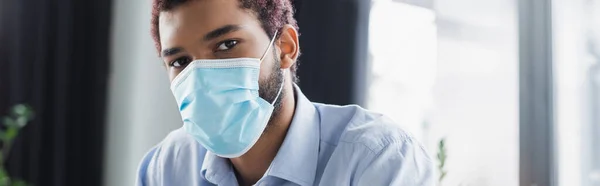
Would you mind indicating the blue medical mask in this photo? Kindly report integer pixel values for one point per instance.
(220, 106)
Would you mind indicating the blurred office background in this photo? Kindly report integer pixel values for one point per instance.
(512, 86)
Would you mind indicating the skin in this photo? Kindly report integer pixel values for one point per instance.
(187, 33)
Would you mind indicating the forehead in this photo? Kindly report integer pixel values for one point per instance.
(198, 17)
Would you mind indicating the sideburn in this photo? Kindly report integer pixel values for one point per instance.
(269, 88)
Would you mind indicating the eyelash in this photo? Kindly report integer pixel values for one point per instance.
(235, 43)
(187, 60)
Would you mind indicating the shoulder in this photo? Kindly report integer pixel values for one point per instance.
(373, 148)
(176, 145)
(376, 131)
(173, 154)
(358, 126)
(177, 139)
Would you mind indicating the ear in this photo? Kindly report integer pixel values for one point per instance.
(289, 46)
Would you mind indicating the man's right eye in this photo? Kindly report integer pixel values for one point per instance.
(180, 62)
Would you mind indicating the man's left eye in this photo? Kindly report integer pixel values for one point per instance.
(227, 45)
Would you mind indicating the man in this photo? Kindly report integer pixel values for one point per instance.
(232, 66)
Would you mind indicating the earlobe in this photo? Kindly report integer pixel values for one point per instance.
(289, 46)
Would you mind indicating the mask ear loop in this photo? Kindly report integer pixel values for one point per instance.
(269, 47)
(284, 71)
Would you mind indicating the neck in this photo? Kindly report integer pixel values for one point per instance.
(251, 166)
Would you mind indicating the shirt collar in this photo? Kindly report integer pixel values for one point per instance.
(215, 169)
(296, 160)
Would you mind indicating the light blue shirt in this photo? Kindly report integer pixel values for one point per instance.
(325, 145)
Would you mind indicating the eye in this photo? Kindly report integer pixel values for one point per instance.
(227, 45)
(180, 62)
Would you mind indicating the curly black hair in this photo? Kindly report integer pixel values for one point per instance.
(272, 14)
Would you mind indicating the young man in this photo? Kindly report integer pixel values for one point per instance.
(232, 66)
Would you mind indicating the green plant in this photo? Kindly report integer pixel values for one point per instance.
(19, 116)
(441, 156)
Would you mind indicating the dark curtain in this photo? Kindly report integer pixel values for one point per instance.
(333, 67)
(54, 57)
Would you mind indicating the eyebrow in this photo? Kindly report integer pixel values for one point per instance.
(221, 31)
(210, 36)
(171, 51)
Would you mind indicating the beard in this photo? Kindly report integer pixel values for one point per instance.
(269, 87)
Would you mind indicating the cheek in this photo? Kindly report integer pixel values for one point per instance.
(265, 72)
(172, 74)
(266, 69)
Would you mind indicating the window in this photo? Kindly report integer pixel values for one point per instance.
(576, 31)
(450, 71)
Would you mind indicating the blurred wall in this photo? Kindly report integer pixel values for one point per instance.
(141, 108)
